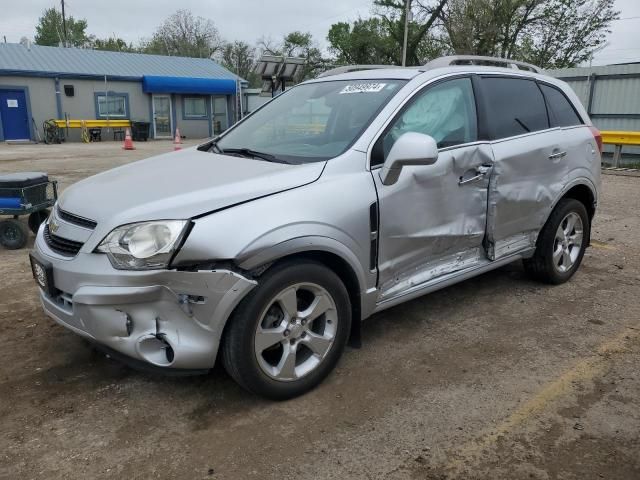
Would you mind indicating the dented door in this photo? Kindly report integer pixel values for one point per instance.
(528, 175)
(530, 163)
(433, 220)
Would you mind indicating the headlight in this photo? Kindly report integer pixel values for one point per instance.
(144, 245)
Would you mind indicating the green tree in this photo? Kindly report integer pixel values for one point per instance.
(380, 39)
(421, 35)
(365, 42)
(50, 30)
(570, 32)
(113, 44)
(240, 58)
(300, 45)
(184, 35)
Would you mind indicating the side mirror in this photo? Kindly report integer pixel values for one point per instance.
(411, 148)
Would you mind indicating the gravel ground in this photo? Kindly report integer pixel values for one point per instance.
(495, 378)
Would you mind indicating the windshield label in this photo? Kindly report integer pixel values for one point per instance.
(363, 88)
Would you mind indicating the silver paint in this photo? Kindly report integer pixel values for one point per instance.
(478, 207)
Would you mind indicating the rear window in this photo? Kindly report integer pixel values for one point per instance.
(561, 112)
(515, 106)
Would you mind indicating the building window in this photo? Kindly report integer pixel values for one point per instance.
(112, 105)
(195, 107)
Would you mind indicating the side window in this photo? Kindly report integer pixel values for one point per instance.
(561, 112)
(514, 106)
(446, 111)
(113, 105)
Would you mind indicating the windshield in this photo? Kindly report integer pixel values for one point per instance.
(311, 122)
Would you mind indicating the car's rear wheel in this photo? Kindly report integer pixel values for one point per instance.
(561, 243)
(290, 331)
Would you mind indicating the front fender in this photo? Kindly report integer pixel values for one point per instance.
(308, 243)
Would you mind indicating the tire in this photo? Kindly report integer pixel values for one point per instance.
(267, 354)
(556, 269)
(36, 219)
(13, 234)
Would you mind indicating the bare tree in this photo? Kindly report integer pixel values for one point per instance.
(184, 35)
(240, 58)
(549, 33)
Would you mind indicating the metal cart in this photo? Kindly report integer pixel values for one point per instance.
(28, 193)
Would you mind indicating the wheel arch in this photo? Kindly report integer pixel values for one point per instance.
(583, 191)
(585, 195)
(330, 253)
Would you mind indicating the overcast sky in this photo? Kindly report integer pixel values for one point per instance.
(249, 20)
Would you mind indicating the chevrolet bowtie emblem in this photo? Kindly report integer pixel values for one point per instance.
(53, 226)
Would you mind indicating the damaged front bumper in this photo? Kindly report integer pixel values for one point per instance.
(162, 318)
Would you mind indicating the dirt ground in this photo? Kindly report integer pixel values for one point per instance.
(496, 378)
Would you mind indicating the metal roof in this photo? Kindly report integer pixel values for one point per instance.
(624, 69)
(37, 60)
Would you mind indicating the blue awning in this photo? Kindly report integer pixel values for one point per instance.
(207, 86)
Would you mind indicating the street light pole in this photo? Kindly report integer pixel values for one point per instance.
(406, 31)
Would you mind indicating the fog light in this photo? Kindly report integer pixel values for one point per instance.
(156, 350)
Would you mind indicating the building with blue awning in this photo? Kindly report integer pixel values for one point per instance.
(37, 83)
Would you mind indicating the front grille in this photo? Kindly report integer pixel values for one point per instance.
(77, 220)
(63, 246)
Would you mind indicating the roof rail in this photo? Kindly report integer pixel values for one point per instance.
(453, 60)
(353, 68)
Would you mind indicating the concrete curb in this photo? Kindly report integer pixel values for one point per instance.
(625, 172)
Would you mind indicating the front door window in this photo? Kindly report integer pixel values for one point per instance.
(162, 116)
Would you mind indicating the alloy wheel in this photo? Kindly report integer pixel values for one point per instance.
(296, 331)
(568, 242)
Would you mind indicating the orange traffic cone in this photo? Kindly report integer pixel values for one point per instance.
(177, 141)
(128, 143)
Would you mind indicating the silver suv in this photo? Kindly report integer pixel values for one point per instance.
(342, 197)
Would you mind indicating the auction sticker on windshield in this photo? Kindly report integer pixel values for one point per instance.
(363, 88)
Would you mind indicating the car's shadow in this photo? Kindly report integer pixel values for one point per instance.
(87, 369)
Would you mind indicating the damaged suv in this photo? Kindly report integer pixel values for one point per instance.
(345, 195)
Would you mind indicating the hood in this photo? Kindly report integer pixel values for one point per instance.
(180, 185)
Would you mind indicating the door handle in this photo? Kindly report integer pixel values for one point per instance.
(481, 171)
(557, 155)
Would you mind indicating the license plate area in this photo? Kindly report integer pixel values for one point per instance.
(43, 274)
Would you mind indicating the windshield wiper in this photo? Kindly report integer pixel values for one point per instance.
(247, 152)
(215, 147)
(211, 146)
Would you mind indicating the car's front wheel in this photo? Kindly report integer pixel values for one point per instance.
(289, 332)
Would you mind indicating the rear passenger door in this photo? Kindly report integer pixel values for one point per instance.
(576, 137)
(530, 166)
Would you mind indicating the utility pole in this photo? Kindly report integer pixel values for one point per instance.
(406, 31)
(64, 24)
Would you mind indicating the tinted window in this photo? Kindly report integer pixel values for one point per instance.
(561, 112)
(514, 106)
(446, 112)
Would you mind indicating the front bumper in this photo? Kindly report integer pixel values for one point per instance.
(165, 318)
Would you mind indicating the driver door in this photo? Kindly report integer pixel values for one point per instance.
(433, 219)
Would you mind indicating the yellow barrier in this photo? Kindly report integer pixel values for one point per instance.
(619, 139)
(93, 123)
